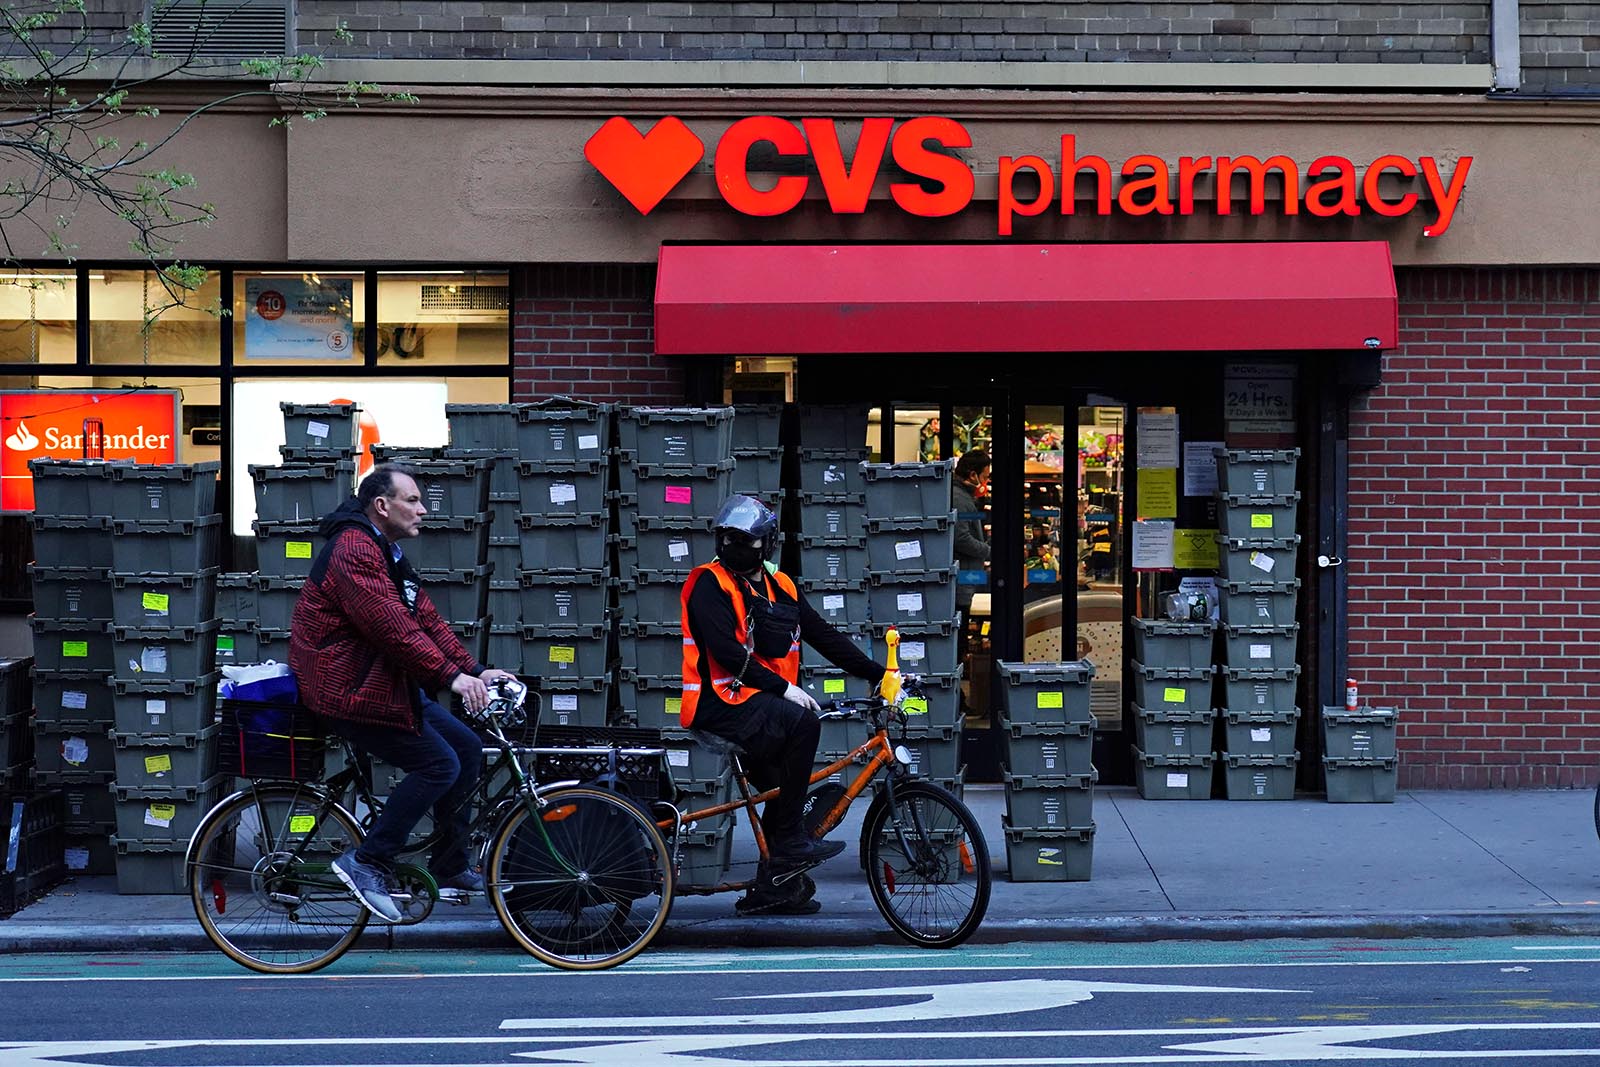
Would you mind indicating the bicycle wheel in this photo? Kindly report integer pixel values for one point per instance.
(583, 882)
(927, 864)
(261, 879)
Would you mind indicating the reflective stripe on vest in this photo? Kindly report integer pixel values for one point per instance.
(786, 667)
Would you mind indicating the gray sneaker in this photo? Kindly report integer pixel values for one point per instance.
(458, 887)
(367, 882)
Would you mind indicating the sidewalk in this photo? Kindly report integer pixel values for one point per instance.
(1438, 864)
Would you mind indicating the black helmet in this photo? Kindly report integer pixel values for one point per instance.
(751, 519)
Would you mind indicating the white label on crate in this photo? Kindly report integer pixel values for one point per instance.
(913, 651)
(1261, 733)
(1180, 734)
(75, 750)
(678, 549)
(833, 475)
(909, 602)
(564, 701)
(73, 698)
(1177, 779)
(319, 430)
(908, 550)
(833, 602)
(588, 442)
(77, 859)
(153, 659)
(155, 709)
(1261, 561)
(563, 493)
(1260, 651)
(677, 757)
(159, 815)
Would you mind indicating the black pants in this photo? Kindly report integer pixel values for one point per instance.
(781, 741)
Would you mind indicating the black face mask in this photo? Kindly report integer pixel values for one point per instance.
(741, 559)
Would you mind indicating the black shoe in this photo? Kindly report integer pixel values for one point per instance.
(774, 900)
(801, 854)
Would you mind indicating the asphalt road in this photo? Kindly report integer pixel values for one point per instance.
(1278, 1002)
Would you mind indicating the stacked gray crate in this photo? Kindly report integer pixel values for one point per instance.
(830, 500)
(1359, 755)
(1174, 719)
(1257, 508)
(1048, 730)
(314, 435)
(564, 482)
(490, 432)
(293, 496)
(16, 724)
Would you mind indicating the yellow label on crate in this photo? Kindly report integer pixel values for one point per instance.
(915, 706)
(297, 550)
(157, 764)
(74, 649)
(674, 705)
(1049, 700)
(563, 654)
(302, 824)
(157, 602)
(1261, 522)
(164, 811)
(1174, 696)
(833, 685)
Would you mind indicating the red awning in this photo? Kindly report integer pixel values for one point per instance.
(791, 300)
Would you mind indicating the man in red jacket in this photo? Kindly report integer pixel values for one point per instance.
(366, 646)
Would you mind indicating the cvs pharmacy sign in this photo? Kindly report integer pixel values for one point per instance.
(136, 424)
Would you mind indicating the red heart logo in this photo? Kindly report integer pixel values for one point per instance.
(644, 167)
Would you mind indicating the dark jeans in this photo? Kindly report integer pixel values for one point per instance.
(441, 765)
(781, 740)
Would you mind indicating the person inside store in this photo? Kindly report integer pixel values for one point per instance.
(367, 647)
(743, 621)
(969, 484)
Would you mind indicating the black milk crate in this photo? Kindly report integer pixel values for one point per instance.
(72, 697)
(82, 593)
(833, 425)
(68, 487)
(88, 808)
(66, 752)
(163, 492)
(907, 490)
(302, 493)
(505, 646)
(575, 701)
(35, 836)
(71, 541)
(554, 654)
(165, 761)
(1366, 734)
(563, 544)
(164, 599)
(286, 549)
(562, 489)
(482, 425)
(1257, 471)
(902, 548)
(832, 683)
(150, 868)
(258, 739)
(1046, 692)
(1173, 733)
(1260, 690)
(1259, 516)
(183, 547)
(320, 425)
(929, 597)
(236, 596)
(1265, 733)
(830, 471)
(675, 492)
(90, 854)
(1050, 803)
(677, 436)
(935, 751)
(1173, 777)
(1047, 750)
(757, 427)
(829, 515)
(1360, 781)
(653, 597)
(859, 636)
(460, 595)
(277, 598)
(71, 645)
(650, 649)
(641, 774)
(1171, 688)
(1260, 646)
(835, 559)
(474, 637)
(16, 684)
(450, 543)
(561, 429)
(176, 707)
(842, 604)
(938, 706)
(16, 739)
(1259, 603)
(1258, 777)
(1034, 855)
(655, 701)
(1159, 643)
(564, 598)
(1259, 559)
(144, 654)
(169, 815)
(759, 472)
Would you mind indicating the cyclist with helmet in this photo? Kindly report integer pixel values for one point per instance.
(743, 621)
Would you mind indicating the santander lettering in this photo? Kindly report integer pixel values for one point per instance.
(646, 167)
(136, 441)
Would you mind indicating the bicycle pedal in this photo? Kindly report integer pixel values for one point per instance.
(454, 896)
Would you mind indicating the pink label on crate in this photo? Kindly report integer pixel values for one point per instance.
(679, 494)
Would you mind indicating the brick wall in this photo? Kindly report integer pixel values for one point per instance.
(588, 331)
(1560, 46)
(1474, 554)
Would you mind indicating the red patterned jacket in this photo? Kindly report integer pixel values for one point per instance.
(358, 652)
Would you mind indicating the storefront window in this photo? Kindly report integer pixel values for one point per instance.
(146, 316)
(452, 316)
(971, 430)
(298, 317)
(1101, 485)
(38, 316)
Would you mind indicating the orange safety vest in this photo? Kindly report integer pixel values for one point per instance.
(722, 679)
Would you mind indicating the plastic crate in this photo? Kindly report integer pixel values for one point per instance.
(936, 754)
(832, 683)
(833, 425)
(926, 598)
(653, 597)
(69, 486)
(450, 543)
(574, 701)
(563, 489)
(925, 648)
(147, 868)
(286, 549)
(641, 776)
(90, 854)
(164, 599)
(758, 472)
(1268, 733)
(688, 760)
(656, 702)
(165, 761)
(842, 604)
(905, 550)
(161, 492)
(1260, 646)
(1246, 517)
(505, 552)
(563, 430)
(1048, 750)
(665, 544)
(67, 752)
(757, 427)
(16, 746)
(704, 855)
(71, 541)
(832, 471)
(650, 649)
(677, 436)
(1159, 643)
(861, 637)
(302, 493)
(833, 516)
(185, 547)
(482, 425)
(907, 490)
(16, 685)
(88, 808)
(71, 645)
(236, 596)
(505, 647)
(1049, 803)
(1259, 559)
(252, 645)
(1046, 692)
(1259, 603)
(1034, 855)
(505, 601)
(557, 653)
(257, 739)
(150, 654)
(166, 815)
(1173, 733)
(675, 492)
(1367, 734)
(1360, 781)
(474, 637)
(1258, 777)
(1260, 690)
(320, 425)
(504, 509)
(63, 697)
(459, 595)
(563, 598)
(35, 834)
(1258, 471)
(940, 703)
(1171, 688)
(82, 593)
(177, 707)
(276, 600)
(833, 559)
(1173, 777)
(563, 544)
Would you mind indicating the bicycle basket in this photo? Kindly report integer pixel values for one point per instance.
(265, 740)
(643, 778)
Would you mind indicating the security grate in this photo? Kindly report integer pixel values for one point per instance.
(220, 28)
(466, 298)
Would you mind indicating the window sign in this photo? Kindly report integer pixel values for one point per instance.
(299, 318)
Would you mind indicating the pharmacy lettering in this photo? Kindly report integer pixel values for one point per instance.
(646, 167)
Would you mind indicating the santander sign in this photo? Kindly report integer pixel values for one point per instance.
(140, 425)
(646, 167)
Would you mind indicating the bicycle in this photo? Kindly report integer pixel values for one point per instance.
(926, 860)
(579, 876)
